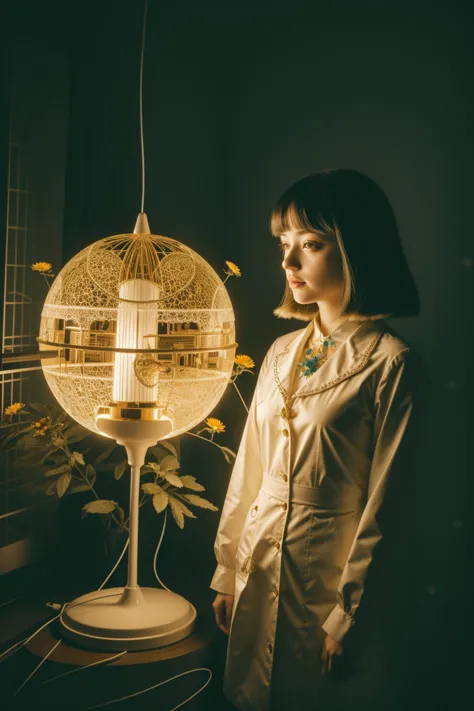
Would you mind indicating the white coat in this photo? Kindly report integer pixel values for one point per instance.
(299, 523)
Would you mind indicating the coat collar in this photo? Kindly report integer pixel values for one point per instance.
(355, 342)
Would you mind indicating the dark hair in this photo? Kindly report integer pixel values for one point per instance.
(350, 207)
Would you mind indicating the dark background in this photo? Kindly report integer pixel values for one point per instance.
(240, 100)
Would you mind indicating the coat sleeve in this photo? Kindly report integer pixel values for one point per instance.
(244, 485)
(392, 413)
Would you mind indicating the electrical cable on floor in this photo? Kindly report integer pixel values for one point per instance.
(74, 671)
(8, 602)
(116, 656)
(28, 639)
(6, 654)
(24, 641)
(36, 668)
(155, 686)
(20, 644)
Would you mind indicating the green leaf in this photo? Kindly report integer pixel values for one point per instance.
(51, 489)
(77, 458)
(169, 463)
(62, 484)
(228, 454)
(40, 408)
(160, 501)
(173, 479)
(16, 427)
(31, 458)
(147, 468)
(62, 417)
(90, 475)
(190, 483)
(159, 451)
(120, 469)
(170, 447)
(54, 458)
(105, 454)
(77, 486)
(62, 469)
(179, 510)
(9, 439)
(199, 501)
(7, 426)
(27, 441)
(100, 506)
(151, 488)
(76, 433)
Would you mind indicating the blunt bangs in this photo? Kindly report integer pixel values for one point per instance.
(350, 209)
(298, 212)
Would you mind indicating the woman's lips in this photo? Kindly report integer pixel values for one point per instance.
(295, 284)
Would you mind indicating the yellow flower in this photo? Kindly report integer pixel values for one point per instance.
(244, 361)
(215, 425)
(41, 426)
(41, 267)
(233, 269)
(14, 409)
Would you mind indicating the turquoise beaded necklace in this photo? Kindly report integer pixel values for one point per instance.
(316, 355)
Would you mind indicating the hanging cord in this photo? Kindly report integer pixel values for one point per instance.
(142, 140)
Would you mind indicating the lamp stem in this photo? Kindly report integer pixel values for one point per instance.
(132, 581)
(136, 451)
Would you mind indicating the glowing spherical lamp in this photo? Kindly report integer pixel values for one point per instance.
(145, 338)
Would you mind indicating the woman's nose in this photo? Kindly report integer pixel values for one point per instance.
(290, 261)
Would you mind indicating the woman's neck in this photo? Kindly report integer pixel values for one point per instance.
(317, 319)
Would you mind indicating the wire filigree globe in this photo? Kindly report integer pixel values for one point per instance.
(143, 325)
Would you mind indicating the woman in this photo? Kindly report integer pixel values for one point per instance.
(300, 522)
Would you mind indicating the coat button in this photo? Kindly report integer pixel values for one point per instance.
(284, 476)
(270, 647)
(254, 510)
(275, 592)
(285, 433)
(276, 544)
(249, 565)
(284, 506)
(287, 413)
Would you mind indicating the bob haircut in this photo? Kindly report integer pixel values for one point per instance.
(349, 207)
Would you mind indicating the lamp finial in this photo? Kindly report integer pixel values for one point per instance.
(141, 225)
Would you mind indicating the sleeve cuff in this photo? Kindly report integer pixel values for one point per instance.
(338, 624)
(223, 580)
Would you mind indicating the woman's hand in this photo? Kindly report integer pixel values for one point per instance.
(331, 649)
(222, 607)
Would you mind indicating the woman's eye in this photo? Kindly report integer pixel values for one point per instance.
(312, 246)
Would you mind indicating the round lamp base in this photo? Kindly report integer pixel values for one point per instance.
(119, 619)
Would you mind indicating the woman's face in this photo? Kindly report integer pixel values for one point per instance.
(313, 266)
